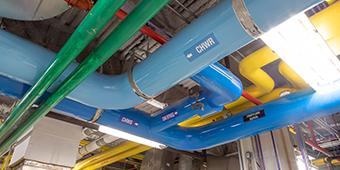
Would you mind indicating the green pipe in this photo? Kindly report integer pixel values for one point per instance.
(126, 29)
(93, 23)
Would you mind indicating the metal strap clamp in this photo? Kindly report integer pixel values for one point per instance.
(149, 99)
(245, 18)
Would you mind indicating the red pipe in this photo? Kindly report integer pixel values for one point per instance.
(318, 148)
(311, 130)
(145, 29)
(251, 98)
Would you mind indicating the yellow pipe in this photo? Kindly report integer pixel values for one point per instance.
(6, 161)
(84, 142)
(291, 76)
(323, 161)
(128, 153)
(251, 68)
(104, 155)
(138, 157)
(327, 24)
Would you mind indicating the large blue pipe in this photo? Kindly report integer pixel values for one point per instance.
(222, 31)
(25, 62)
(219, 27)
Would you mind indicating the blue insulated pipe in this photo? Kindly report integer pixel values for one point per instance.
(205, 41)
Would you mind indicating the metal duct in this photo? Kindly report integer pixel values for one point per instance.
(31, 9)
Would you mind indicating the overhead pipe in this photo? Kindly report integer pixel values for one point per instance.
(287, 110)
(275, 94)
(113, 159)
(96, 144)
(324, 161)
(139, 16)
(121, 14)
(226, 22)
(105, 155)
(219, 86)
(318, 148)
(291, 76)
(104, 87)
(93, 23)
(251, 69)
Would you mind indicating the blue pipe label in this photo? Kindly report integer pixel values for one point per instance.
(201, 47)
(128, 121)
(254, 116)
(169, 116)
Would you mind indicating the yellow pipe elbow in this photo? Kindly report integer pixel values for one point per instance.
(251, 69)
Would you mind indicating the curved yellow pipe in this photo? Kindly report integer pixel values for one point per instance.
(128, 153)
(251, 68)
(105, 155)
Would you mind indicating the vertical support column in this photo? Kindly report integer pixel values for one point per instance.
(158, 159)
(277, 151)
(247, 152)
(301, 145)
(185, 162)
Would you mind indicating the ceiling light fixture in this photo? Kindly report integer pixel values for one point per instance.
(300, 45)
(130, 137)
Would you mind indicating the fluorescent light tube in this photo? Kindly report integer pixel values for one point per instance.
(130, 137)
(299, 44)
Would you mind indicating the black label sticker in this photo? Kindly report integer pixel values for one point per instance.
(254, 116)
